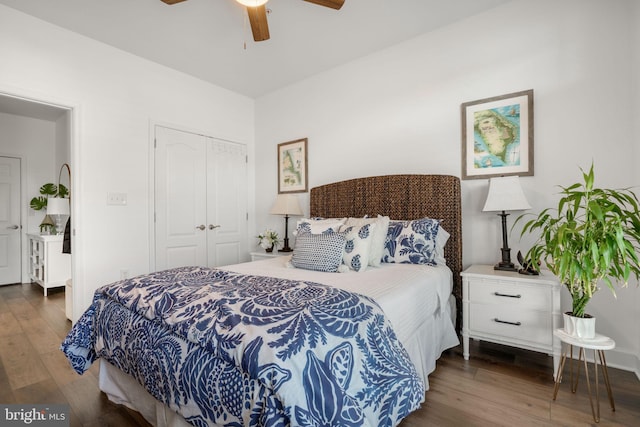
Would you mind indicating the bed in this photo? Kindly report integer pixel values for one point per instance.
(358, 353)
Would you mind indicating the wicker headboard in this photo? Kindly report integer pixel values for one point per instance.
(400, 197)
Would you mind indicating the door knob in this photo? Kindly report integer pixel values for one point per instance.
(13, 227)
(201, 227)
(212, 227)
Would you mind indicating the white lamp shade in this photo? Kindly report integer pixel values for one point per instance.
(57, 206)
(505, 194)
(252, 3)
(286, 204)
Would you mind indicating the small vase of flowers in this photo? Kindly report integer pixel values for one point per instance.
(268, 240)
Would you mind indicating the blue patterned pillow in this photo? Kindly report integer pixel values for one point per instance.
(379, 236)
(318, 225)
(411, 242)
(319, 252)
(358, 247)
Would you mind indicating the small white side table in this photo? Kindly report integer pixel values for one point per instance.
(598, 344)
(256, 256)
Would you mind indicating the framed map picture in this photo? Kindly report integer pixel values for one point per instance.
(497, 136)
(292, 166)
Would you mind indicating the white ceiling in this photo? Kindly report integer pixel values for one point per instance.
(206, 38)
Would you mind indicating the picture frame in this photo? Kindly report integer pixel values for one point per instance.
(497, 136)
(292, 167)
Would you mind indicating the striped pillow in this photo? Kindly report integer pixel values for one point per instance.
(319, 252)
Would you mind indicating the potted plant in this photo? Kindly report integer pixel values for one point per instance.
(592, 236)
(268, 240)
(40, 202)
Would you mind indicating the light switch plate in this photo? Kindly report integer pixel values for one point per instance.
(117, 199)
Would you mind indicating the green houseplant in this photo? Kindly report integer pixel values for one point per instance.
(593, 235)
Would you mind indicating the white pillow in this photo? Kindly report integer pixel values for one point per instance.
(318, 225)
(441, 239)
(379, 236)
(358, 246)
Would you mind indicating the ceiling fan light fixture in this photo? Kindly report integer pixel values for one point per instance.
(252, 3)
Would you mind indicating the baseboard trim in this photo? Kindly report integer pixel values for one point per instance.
(619, 359)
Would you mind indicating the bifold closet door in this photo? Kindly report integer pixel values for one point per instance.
(200, 200)
(180, 199)
(227, 220)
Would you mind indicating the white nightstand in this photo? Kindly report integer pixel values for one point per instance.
(511, 308)
(256, 256)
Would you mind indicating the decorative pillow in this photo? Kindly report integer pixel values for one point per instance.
(319, 225)
(378, 238)
(411, 242)
(441, 239)
(358, 247)
(319, 252)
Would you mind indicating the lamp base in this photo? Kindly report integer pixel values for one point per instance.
(505, 266)
(286, 247)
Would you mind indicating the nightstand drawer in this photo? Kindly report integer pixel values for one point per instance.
(520, 296)
(512, 322)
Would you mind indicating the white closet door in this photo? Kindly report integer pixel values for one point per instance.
(180, 199)
(10, 259)
(200, 200)
(226, 202)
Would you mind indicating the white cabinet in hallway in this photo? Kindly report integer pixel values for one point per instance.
(48, 266)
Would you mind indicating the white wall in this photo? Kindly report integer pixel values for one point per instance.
(398, 111)
(33, 141)
(115, 97)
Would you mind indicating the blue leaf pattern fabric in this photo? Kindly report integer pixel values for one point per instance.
(358, 246)
(240, 350)
(411, 242)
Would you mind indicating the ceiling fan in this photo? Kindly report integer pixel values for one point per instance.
(258, 14)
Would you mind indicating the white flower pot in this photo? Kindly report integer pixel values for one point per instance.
(580, 327)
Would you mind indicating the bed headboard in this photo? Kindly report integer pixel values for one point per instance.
(400, 197)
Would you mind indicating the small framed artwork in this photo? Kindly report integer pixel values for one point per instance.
(292, 166)
(497, 136)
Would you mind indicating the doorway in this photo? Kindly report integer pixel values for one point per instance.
(38, 134)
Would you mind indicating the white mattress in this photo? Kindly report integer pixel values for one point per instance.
(416, 298)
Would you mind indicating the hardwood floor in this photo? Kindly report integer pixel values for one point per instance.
(499, 386)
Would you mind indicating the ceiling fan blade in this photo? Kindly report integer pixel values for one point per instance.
(172, 1)
(333, 4)
(258, 21)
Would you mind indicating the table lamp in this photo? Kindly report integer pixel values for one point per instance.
(58, 209)
(505, 194)
(286, 204)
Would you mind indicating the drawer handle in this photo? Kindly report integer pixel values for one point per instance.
(507, 322)
(498, 294)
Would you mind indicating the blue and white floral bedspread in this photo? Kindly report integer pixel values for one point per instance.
(225, 348)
